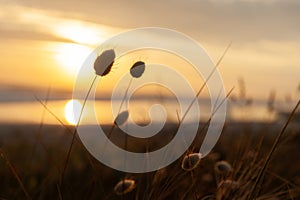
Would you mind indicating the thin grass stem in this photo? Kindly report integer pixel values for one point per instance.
(274, 147)
(15, 174)
(75, 131)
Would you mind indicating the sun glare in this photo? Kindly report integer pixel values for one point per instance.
(71, 56)
(72, 111)
(80, 33)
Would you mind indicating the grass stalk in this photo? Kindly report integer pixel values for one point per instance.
(274, 147)
(15, 174)
(75, 131)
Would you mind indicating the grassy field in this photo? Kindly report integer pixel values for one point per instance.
(33, 158)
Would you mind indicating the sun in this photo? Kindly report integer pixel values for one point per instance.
(71, 56)
(80, 32)
(83, 38)
(72, 111)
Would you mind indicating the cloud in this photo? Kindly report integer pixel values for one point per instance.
(33, 23)
(247, 1)
(265, 33)
(207, 20)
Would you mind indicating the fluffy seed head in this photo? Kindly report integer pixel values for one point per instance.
(222, 167)
(124, 186)
(191, 161)
(121, 118)
(104, 62)
(137, 69)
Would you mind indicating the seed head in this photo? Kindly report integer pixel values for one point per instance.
(191, 161)
(222, 167)
(121, 118)
(137, 69)
(104, 62)
(124, 186)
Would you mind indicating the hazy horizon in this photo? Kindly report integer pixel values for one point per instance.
(44, 43)
(45, 36)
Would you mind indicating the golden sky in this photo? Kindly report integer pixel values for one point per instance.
(44, 43)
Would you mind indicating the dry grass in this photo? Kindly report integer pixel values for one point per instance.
(246, 163)
(86, 178)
